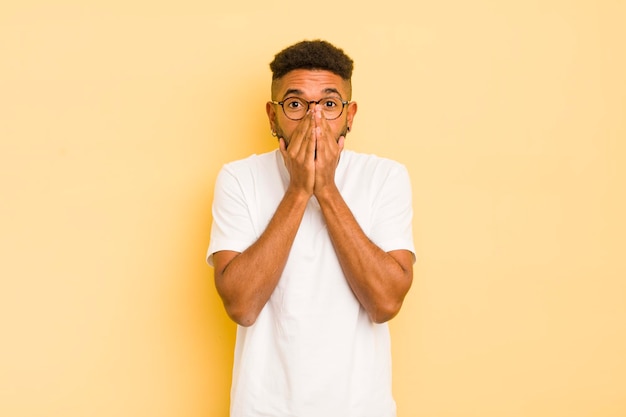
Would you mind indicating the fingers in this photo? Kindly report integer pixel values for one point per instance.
(299, 154)
(311, 144)
(282, 145)
(340, 142)
(327, 143)
(299, 135)
(305, 140)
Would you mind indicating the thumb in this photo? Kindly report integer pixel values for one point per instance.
(341, 142)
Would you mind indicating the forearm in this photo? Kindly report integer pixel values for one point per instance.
(245, 281)
(378, 279)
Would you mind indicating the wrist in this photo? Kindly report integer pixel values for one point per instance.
(298, 195)
(327, 192)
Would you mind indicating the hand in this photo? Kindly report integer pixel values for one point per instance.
(299, 156)
(328, 150)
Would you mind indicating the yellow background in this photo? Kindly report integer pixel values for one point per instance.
(115, 117)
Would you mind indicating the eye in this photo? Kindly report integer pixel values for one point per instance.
(330, 103)
(293, 104)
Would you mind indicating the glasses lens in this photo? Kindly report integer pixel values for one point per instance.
(295, 108)
(332, 107)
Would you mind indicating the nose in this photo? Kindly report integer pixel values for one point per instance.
(314, 104)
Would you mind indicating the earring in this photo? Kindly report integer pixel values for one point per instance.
(274, 133)
(348, 128)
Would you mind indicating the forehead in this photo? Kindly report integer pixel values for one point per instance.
(310, 84)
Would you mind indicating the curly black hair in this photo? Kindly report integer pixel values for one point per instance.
(316, 54)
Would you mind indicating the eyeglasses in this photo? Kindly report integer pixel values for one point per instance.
(296, 108)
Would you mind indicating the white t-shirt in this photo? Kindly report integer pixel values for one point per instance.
(313, 350)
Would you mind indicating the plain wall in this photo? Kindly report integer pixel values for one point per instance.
(115, 117)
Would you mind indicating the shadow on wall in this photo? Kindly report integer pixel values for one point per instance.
(229, 138)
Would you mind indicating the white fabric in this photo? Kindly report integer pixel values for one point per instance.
(313, 351)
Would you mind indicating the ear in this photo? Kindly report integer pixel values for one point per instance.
(270, 109)
(351, 112)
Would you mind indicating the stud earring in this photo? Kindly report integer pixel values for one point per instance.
(273, 133)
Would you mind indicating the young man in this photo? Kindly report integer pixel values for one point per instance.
(312, 250)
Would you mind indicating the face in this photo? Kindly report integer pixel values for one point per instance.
(310, 85)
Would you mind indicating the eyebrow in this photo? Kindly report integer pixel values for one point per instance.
(293, 91)
(332, 90)
(297, 92)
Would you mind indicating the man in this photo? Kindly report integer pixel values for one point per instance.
(312, 250)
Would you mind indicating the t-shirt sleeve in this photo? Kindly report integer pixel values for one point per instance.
(232, 227)
(392, 223)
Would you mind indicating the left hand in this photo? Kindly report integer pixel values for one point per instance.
(328, 150)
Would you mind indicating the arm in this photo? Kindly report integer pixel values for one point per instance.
(245, 281)
(380, 280)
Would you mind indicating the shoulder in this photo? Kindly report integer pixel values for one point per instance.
(252, 164)
(258, 171)
(253, 168)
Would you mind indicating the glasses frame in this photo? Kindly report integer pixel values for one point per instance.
(309, 102)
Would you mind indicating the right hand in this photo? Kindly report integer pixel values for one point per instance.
(299, 156)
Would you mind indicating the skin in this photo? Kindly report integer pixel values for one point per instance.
(311, 148)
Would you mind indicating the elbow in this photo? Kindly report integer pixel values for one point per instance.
(244, 317)
(384, 313)
(238, 310)
(389, 306)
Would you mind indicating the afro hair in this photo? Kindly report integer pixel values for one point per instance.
(316, 54)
